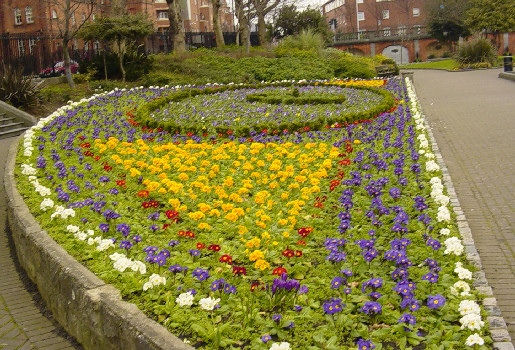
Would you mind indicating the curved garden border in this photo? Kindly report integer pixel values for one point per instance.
(88, 309)
(94, 312)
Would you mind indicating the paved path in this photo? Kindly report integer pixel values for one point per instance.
(22, 325)
(472, 116)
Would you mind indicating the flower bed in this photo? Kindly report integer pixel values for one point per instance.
(320, 239)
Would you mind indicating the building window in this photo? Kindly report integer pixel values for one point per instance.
(54, 14)
(401, 31)
(386, 14)
(334, 5)
(416, 12)
(359, 1)
(21, 47)
(83, 18)
(417, 29)
(386, 32)
(160, 1)
(17, 16)
(28, 15)
(361, 16)
(162, 15)
(32, 44)
(73, 19)
(93, 17)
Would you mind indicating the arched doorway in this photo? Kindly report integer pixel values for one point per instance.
(398, 53)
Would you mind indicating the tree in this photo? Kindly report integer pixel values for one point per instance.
(219, 35)
(245, 15)
(262, 8)
(446, 20)
(68, 25)
(492, 16)
(286, 23)
(176, 26)
(291, 22)
(122, 31)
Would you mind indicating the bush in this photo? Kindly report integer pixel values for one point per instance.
(16, 89)
(307, 41)
(477, 50)
(136, 65)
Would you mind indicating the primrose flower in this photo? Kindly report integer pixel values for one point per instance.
(185, 299)
(209, 303)
(280, 346)
(472, 322)
(474, 339)
(408, 318)
(266, 338)
(372, 307)
(468, 307)
(333, 306)
(365, 344)
(435, 301)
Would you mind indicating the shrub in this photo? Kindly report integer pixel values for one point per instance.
(16, 89)
(136, 65)
(477, 50)
(308, 40)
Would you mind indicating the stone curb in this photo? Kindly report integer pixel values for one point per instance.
(87, 308)
(497, 325)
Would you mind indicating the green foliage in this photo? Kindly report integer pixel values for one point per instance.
(292, 22)
(477, 50)
(136, 65)
(493, 16)
(446, 19)
(16, 89)
(307, 40)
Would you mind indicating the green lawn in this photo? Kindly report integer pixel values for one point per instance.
(448, 64)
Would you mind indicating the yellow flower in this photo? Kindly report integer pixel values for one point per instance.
(357, 141)
(261, 197)
(256, 255)
(183, 176)
(284, 195)
(231, 217)
(283, 222)
(262, 265)
(265, 235)
(254, 242)
(204, 207)
(204, 226)
(174, 202)
(161, 190)
(242, 230)
(286, 234)
(275, 243)
(214, 212)
(197, 215)
(261, 224)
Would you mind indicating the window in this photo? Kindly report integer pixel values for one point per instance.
(83, 18)
(386, 32)
(54, 14)
(28, 15)
(386, 14)
(359, 1)
(160, 1)
(17, 16)
(417, 29)
(416, 12)
(75, 44)
(21, 47)
(73, 19)
(32, 44)
(361, 16)
(162, 15)
(334, 5)
(401, 31)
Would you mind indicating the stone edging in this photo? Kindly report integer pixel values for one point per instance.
(87, 308)
(497, 325)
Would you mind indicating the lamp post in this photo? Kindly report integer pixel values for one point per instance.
(357, 16)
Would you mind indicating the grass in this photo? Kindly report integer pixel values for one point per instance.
(448, 64)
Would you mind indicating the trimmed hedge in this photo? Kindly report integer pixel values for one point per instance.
(143, 114)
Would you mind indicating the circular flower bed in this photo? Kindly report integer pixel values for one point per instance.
(333, 238)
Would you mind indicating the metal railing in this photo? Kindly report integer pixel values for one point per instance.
(387, 34)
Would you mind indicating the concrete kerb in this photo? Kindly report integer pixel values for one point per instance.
(498, 329)
(88, 309)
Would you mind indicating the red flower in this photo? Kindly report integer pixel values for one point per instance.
(171, 214)
(97, 158)
(228, 259)
(82, 138)
(344, 162)
(145, 205)
(288, 253)
(200, 245)
(264, 131)
(120, 182)
(214, 247)
(85, 145)
(319, 205)
(229, 132)
(165, 226)
(190, 234)
(305, 231)
(279, 271)
(253, 286)
(298, 253)
(143, 194)
(89, 154)
(301, 242)
(190, 134)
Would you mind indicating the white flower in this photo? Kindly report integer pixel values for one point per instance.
(472, 322)
(435, 180)
(469, 307)
(463, 274)
(443, 214)
(116, 256)
(148, 285)
(28, 170)
(42, 190)
(453, 246)
(280, 346)
(122, 264)
(461, 288)
(72, 228)
(445, 231)
(441, 199)
(156, 279)
(474, 339)
(46, 204)
(105, 244)
(82, 236)
(139, 266)
(431, 165)
(185, 299)
(208, 303)
(90, 232)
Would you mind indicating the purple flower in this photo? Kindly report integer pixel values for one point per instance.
(175, 268)
(407, 318)
(431, 277)
(173, 243)
(372, 307)
(200, 274)
(125, 229)
(276, 318)
(435, 301)
(337, 282)
(298, 308)
(194, 252)
(266, 338)
(103, 227)
(333, 306)
(365, 344)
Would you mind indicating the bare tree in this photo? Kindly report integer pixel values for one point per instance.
(219, 35)
(176, 25)
(245, 14)
(68, 25)
(262, 8)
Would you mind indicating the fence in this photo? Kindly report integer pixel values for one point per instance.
(34, 51)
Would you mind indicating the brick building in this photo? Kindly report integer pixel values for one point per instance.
(346, 16)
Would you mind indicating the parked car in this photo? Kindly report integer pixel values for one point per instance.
(59, 69)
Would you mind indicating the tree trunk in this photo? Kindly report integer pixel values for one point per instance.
(261, 29)
(176, 26)
(68, 72)
(219, 35)
(105, 60)
(120, 56)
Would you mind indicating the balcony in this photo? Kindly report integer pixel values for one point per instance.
(392, 34)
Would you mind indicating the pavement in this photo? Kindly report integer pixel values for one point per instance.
(472, 117)
(24, 323)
